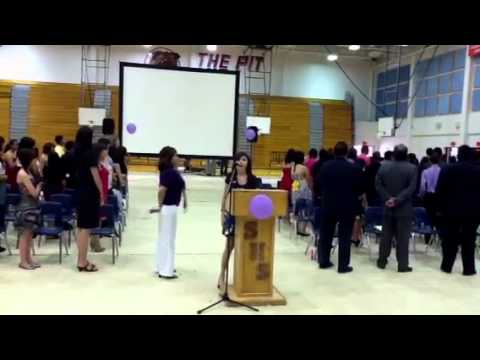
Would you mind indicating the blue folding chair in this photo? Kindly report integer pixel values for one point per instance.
(11, 203)
(68, 213)
(3, 230)
(107, 228)
(73, 196)
(118, 221)
(373, 224)
(422, 226)
(52, 223)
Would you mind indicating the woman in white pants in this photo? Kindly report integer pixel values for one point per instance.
(170, 191)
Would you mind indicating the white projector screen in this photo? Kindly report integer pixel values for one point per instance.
(192, 110)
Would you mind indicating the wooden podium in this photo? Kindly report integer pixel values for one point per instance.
(254, 249)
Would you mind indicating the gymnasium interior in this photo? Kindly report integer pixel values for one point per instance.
(294, 96)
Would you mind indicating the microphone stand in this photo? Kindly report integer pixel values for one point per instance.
(225, 297)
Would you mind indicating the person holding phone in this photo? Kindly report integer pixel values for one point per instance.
(170, 192)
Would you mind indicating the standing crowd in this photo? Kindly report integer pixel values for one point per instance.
(339, 185)
(88, 172)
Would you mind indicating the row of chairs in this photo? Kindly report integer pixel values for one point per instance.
(57, 217)
(312, 215)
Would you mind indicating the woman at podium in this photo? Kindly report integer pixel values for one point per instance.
(241, 177)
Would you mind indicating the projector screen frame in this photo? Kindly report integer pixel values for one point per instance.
(123, 65)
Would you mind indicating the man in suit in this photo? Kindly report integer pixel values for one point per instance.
(341, 186)
(395, 183)
(458, 200)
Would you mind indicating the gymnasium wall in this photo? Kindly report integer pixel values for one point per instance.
(294, 73)
(420, 133)
(53, 109)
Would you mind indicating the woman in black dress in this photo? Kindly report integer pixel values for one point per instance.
(88, 194)
(241, 177)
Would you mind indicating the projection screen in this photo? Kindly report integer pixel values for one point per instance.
(193, 110)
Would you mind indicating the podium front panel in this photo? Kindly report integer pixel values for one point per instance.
(254, 250)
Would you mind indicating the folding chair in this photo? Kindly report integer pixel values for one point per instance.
(373, 225)
(422, 226)
(11, 203)
(118, 221)
(68, 213)
(52, 224)
(107, 229)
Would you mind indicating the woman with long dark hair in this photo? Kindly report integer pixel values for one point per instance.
(241, 177)
(170, 191)
(89, 194)
(27, 211)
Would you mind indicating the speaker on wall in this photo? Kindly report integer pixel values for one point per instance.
(108, 127)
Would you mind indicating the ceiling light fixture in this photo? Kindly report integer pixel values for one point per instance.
(147, 46)
(212, 47)
(354, 47)
(332, 57)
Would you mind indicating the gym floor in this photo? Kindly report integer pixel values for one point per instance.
(130, 286)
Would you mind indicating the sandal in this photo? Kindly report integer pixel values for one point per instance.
(87, 268)
(26, 267)
(35, 265)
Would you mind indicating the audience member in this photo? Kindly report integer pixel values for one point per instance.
(59, 145)
(341, 185)
(11, 166)
(3, 190)
(301, 190)
(286, 180)
(53, 175)
(388, 156)
(27, 213)
(370, 175)
(395, 183)
(89, 195)
(412, 158)
(311, 160)
(429, 178)
(364, 155)
(68, 165)
(458, 198)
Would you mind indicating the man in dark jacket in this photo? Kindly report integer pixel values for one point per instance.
(458, 199)
(341, 186)
(395, 183)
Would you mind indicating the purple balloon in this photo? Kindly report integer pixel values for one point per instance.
(131, 128)
(261, 207)
(251, 134)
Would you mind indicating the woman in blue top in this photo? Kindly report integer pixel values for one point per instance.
(171, 189)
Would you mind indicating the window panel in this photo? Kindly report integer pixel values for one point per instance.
(431, 106)
(443, 104)
(421, 88)
(432, 87)
(403, 92)
(455, 104)
(444, 84)
(459, 61)
(477, 77)
(402, 109)
(419, 107)
(381, 80)
(446, 62)
(380, 99)
(476, 100)
(432, 68)
(457, 81)
(390, 94)
(404, 73)
(391, 77)
(390, 109)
